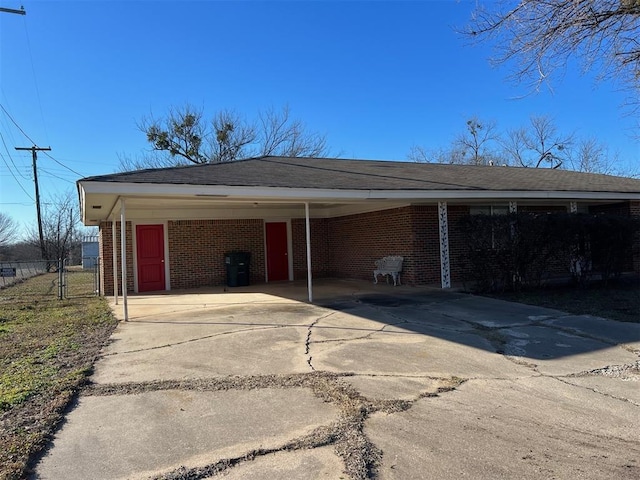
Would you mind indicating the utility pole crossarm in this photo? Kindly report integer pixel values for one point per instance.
(22, 11)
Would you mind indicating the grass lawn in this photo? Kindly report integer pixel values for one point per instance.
(47, 349)
(618, 301)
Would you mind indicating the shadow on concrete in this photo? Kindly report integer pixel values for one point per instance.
(511, 328)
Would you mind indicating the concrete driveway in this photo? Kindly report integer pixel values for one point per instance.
(372, 381)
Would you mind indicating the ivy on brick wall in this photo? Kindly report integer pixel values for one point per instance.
(509, 252)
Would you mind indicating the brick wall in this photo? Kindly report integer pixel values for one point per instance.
(356, 241)
(106, 254)
(320, 258)
(426, 244)
(197, 249)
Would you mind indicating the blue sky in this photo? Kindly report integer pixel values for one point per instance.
(375, 77)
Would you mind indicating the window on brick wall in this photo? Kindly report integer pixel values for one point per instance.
(490, 210)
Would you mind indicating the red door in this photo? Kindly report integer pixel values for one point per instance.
(150, 250)
(277, 256)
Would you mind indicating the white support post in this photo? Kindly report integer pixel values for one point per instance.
(573, 207)
(123, 253)
(443, 224)
(308, 234)
(115, 259)
(513, 206)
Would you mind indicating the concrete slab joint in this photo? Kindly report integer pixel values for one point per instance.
(398, 385)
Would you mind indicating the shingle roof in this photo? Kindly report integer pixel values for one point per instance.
(341, 174)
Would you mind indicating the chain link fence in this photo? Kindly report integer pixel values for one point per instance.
(81, 280)
(67, 280)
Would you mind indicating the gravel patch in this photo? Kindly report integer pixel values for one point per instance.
(627, 372)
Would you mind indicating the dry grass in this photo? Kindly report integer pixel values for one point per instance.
(47, 349)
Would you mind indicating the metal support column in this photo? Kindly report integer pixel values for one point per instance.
(115, 259)
(308, 231)
(123, 253)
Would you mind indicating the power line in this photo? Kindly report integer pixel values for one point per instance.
(16, 124)
(15, 167)
(35, 80)
(31, 140)
(15, 178)
(11, 158)
(48, 172)
(63, 165)
(22, 11)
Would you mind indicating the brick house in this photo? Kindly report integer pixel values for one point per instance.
(180, 222)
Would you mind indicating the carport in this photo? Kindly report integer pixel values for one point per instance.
(335, 217)
(187, 202)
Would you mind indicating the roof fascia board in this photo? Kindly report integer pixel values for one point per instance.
(116, 188)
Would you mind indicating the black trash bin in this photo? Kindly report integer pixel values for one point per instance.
(237, 264)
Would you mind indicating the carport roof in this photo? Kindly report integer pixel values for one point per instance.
(334, 186)
(343, 174)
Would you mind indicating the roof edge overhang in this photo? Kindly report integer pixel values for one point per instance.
(280, 193)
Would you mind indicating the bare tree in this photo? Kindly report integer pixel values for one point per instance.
(476, 145)
(451, 155)
(514, 146)
(476, 140)
(420, 154)
(185, 138)
(8, 230)
(592, 156)
(283, 136)
(541, 36)
(538, 144)
(60, 221)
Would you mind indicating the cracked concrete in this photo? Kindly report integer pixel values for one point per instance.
(380, 382)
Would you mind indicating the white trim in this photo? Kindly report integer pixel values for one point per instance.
(167, 267)
(223, 192)
(290, 249)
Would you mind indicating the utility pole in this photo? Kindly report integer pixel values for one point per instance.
(22, 11)
(34, 154)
